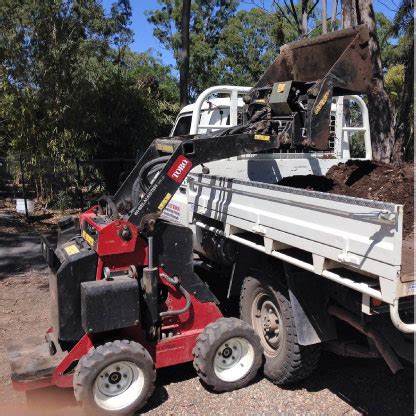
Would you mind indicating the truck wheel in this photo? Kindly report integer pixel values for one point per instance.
(267, 308)
(116, 378)
(227, 354)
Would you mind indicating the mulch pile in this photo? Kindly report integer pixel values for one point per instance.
(365, 179)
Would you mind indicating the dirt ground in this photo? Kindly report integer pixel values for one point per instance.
(340, 386)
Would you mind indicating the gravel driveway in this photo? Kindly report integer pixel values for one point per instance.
(339, 386)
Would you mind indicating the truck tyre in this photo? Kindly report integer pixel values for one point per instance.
(227, 354)
(266, 307)
(116, 378)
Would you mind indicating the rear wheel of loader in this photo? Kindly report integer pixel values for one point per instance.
(227, 354)
(114, 379)
(266, 306)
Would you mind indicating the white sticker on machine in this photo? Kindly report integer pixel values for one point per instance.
(172, 213)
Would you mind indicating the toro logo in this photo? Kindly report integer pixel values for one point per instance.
(180, 169)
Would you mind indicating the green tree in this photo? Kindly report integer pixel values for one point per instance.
(404, 130)
(70, 88)
(300, 17)
(248, 45)
(394, 79)
(385, 35)
(208, 19)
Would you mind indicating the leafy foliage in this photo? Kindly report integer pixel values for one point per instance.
(397, 45)
(70, 88)
(394, 79)
(226, 46)
(208, 19)
(247, 46)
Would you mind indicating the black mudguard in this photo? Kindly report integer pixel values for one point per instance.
(309, 305)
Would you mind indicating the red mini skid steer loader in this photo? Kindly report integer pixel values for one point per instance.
(125, 297)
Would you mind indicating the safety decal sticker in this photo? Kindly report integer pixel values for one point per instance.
(180, 168)
(321, 103)
(281, 87)
(71, 250)
(167, 148)
(87, 238)
(165, 200)
(262, 137)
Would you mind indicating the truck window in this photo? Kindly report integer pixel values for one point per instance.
(183, 125)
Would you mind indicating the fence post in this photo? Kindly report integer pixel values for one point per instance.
(81, 197)
(23, 183)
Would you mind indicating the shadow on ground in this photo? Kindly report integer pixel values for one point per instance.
(20, 253)
(366, 385)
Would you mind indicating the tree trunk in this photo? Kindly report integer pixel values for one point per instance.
(334, 14)
(403, 144)
(380, 114)
(346, 11)
(184, 53)
(304, 17)
(324, 13)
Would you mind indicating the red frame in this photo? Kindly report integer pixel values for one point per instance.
(109, 241)
(118, 254)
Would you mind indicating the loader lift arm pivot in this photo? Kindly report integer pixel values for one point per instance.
(184, 152)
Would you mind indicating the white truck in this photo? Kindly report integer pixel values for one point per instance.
(304, 264)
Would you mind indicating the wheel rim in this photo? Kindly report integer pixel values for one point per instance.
(118, 385)
(233, 359)
(266, 320)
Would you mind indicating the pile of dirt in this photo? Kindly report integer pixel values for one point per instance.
(365, 179)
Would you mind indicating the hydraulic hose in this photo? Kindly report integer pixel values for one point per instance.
(139, 184)
(175, 281)
(232, 130)
(152, 172)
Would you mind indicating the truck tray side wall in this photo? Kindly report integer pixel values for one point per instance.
(341, 232)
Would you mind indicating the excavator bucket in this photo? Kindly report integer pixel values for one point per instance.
(344, 52)
(337, 63)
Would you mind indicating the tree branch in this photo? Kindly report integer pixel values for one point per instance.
(294, 13)
(313, 7)
(283, 14)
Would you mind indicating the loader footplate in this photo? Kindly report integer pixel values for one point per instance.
(30, 359)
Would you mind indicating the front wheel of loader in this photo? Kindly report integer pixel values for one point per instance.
(116, 378)
(227, 354)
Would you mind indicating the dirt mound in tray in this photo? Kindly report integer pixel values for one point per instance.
(365, 179)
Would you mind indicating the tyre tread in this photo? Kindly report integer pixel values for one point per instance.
(96, 355)
(205, 341)
(300, 361)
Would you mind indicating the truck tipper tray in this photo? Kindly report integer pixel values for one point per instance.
(353, 241)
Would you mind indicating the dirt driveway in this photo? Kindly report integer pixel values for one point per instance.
(340, 385)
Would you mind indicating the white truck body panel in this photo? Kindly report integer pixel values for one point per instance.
(354, 242)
